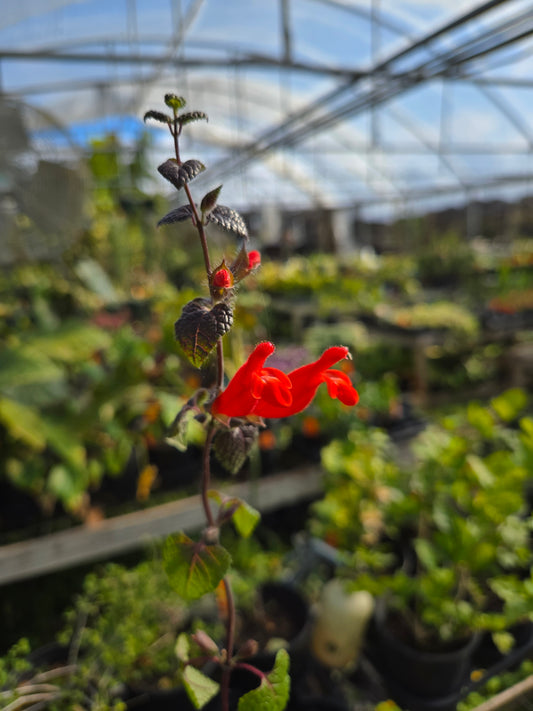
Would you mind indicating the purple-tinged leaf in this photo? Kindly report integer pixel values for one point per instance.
(200, 326)
(232, 445)
(191, 117)
(229, 220)
(180, 214)
(180, 175)
(157, 116)
(209, 201)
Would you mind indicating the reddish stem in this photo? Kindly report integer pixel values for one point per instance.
(206, 475)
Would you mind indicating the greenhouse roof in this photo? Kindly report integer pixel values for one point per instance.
(371, 104)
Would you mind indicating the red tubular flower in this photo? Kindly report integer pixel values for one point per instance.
(253, 383)
(268, 392)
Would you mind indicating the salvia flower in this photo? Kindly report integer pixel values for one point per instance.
(256, 390)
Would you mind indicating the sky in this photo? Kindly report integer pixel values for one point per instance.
(450, 133)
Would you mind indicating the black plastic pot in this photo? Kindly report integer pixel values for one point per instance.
(423, 675)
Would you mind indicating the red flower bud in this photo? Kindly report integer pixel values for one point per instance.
(254, 259)
(223, 279)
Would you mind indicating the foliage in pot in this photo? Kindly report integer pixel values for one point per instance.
(450, 538)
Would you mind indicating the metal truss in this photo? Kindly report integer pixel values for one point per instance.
(464, 50)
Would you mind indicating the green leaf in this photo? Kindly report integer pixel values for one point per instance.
(67, 485)
(173, 101)
(244, 517)
(482, 473)
(199, 327)
(182, 648)
(199, 687)
(273, 692)
(23, 423)
(194, 568)
(509, 404)
(425, 553)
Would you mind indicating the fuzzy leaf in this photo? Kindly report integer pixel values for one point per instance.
(273, 692)
(232, 446)
(178, 215)
(210, 200)
(194, 568)
(175, 102)
(199, 327)
(180, 175)
(192, 116)
(229, 220)
(157, 116)
(199, 687)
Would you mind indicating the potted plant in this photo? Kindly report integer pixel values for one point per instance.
(443, 543)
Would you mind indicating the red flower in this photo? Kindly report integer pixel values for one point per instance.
(268, 392)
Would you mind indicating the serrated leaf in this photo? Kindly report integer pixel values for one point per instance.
(157, 116)
(273, 692)
(173, 101)
(200, 326)
(194, 568)
(180, 214)
(192, 116)
(232, 446)
(180, 175)
(209, 201)
(199, 687)
(229, 220)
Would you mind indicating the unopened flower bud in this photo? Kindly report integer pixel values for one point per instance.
(248, 649)
(254, 259)
(223, 279)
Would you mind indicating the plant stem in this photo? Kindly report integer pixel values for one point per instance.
(206, 475)
(175, 131)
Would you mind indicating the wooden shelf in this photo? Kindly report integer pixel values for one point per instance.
(82, 544)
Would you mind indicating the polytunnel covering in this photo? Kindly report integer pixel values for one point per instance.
(377, 105)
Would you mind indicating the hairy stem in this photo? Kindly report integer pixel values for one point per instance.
(175, 131)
